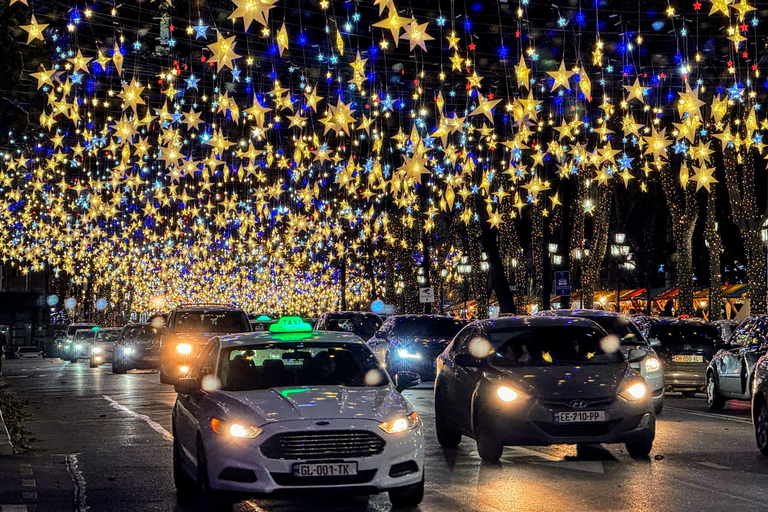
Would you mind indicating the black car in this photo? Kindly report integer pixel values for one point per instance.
(362, 323)
(760, 404)
(685, 346)
(138, 347)
(411, 343)
(731, 371)
(540, 381)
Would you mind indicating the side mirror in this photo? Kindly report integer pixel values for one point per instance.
(655, 342)
(186, 386)
(636, 355)
(405, 380)
(468, 360)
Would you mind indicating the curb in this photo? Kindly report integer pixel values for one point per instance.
(6, 447)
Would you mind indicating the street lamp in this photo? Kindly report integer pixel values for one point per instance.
(464, 269)
(443, 275)
(623, 258)
(399, 287)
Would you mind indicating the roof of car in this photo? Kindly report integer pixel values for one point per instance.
(206, 307)
(685, 322)
(446, 317)
(254, 338)
(535, 321)
(579, 312)
(350, 313)
(110, 329)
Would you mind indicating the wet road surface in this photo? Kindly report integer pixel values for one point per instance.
(102, 442)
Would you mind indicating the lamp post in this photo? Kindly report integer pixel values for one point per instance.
(443, 275)
(399, 286)
(623, 258)
(464, 269)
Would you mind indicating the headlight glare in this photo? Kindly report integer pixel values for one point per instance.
(184, 348)
(400, 425)
(652, 364)
(507, 394)
(78, 346)
(634, 392)
(234, 429)
(405, 354)
(97, 350)
(129, 350)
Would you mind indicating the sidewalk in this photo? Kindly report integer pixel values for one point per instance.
(32, 483)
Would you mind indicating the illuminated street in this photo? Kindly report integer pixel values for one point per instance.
(118, 427)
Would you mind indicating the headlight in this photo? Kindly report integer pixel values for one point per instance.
(507, 394)
(404, 354)
(184, 370)
(184, 348)
(129, 350)
(652, 364)
(234, 429)
(78, 346)
(96, 350)
(399, 425)
(634, 392)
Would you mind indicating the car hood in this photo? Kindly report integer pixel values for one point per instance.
(566, 382)
(317, 403)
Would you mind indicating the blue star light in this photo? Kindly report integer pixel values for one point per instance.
(735, 92)
(387, 103)
(192, 82)
(680, 147)
(625, 162)
(200, 30)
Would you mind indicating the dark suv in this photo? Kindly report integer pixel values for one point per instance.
(685, 348)
(189, 328)
(362, 323)
(731, 371)
(138, 346)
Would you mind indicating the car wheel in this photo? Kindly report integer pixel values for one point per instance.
(181, 480)
(639, 448)
(118, 366)
(72, 359)
(164, 377)
(447, 434)
(714, 399)
(213, 501)
(689, 394)
(658, 408)
(408, 496)
(761, 428)
(488, 446)
(93, 364)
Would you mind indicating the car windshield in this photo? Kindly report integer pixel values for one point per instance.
(28, 349)
(621, 327)
(364, 326)
(676, 336)
(84, 334)
(141, 333)
(426, 327)
(72, 329)
(211, 321)
(544, 346)
(286, 364)
(105, 336)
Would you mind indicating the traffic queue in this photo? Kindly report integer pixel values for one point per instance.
(268, 404)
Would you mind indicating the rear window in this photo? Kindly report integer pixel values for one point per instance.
(28, 349)
(141, 333)
(107, 336)
(364, 326)
(546, 346)
(697, 336)
(72, 329)
(427, 327)
(84, 334)
(211, 322)
(621, 327)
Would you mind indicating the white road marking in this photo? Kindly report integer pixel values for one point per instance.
(709, 415)
(79, 481)
(728, 494)
(149, 421)
(13, 508)
(589, 466)
(713, 465)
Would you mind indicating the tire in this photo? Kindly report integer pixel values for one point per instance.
(408, 496)
(658, 408)
(93, 364)
(639, 448)
(181, 480)
(689, 394)
(447, 435)
(715, 400)
(72, 360)
(488, 447)
(118, 367)
(761, 428)
(164, 377)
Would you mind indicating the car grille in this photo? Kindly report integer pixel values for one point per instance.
(322, 445)
(577, 429)
(289, 479)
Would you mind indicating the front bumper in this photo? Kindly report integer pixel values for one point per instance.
(142, 357)
(685, 377)
(533, 424)
(230, 460)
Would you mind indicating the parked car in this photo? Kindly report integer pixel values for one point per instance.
(103, 345)
(630, 339)
(189, 328)
(412, 342)
(261, 322)
(29, 352)
(540, 381)
(294, 410)
(137, 347)
(726, 328)
(760, 404)
(685, 348)
(80, 348)
(362, 323)
(731, 371)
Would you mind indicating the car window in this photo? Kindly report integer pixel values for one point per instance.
(285, 364)
(206, 361)
(28, 349)
(211, 321)
(675, 336)
(107, 336)
(544, 346)
(461, 341)
(422, 327)
(619, 326)
(364, 326)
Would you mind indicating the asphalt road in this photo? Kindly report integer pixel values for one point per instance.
(108, 439)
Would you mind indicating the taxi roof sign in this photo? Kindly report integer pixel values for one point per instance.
(290, 324)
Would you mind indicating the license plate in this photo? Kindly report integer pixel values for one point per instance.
(579, 417)
(688, 359)
(325, 469)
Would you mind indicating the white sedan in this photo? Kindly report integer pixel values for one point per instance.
(295, 409)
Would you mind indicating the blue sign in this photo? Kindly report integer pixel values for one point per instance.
(562, 283)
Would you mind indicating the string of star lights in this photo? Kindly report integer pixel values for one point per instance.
(244, 151)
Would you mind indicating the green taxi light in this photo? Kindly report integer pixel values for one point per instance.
(264, 318)
(95, 328)
(290, 324)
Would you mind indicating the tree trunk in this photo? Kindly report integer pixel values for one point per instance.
(712, 237)
(537, 243)
(490, 244)
(756, 270)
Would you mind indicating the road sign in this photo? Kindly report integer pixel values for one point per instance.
(427, 295)
(562, 283)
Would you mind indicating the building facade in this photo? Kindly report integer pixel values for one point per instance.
(24, 313)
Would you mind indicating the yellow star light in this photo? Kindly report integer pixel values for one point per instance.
(282, 40)
(561, 77)
(521, 71)
(252, 10)
(703, 177)
(416, 34)
(34, 30)
(44, 77)
(635, 91)
(79, 62)
(223, 51)
(720, 6)
(456, 62)
(394, 23)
